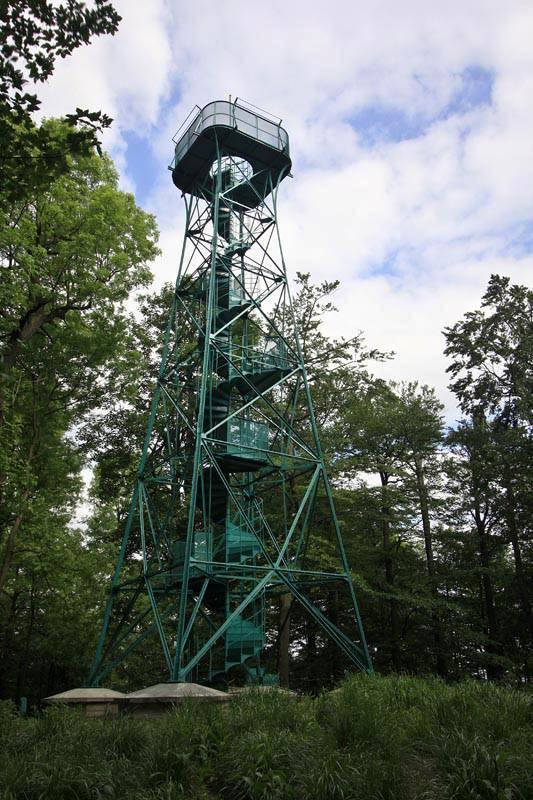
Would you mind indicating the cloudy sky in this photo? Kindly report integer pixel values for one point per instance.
(411, 127)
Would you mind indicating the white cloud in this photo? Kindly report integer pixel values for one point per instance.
(412, 228)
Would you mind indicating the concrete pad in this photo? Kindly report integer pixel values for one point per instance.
(163, 697)
(83, 695)
(94, 702)
(175, 692)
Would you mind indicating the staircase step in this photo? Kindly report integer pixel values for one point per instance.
(216, 491)
(261, 381)
(241, 543)
(231, 462)
(229, 314)
(236, 248)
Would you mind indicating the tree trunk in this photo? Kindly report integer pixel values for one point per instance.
(494, 671)
(9, 551)
(337, 667)
(7, 633)
(389, 575)
(23, 657)
(512, 528)
(11, 540)
(9, 548)
(284, 638)
(481, 496)
(441, 662)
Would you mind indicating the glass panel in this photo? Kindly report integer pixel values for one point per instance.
(247, 433)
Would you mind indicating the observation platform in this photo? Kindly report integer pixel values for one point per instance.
(240, 132)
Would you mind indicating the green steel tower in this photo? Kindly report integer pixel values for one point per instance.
(231, 495)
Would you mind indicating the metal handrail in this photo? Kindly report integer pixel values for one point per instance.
(270, 132)
(185, 121)
(244, 104)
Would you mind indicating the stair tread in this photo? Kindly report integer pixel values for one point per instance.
(227, 314)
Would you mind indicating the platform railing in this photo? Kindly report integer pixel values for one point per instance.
(272, 354)
(246, 434)
(231, 115)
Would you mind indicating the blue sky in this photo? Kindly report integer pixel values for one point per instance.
(377, 123)
(142, 164)
(410, 128)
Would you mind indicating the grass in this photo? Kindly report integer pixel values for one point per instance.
(394, 738)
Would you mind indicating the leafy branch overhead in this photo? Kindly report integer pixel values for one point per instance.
(492, 353)
(35, 33)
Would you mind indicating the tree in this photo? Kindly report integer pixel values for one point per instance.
(473, 492)
(421, 427)
(70, 258)
(491, 352)
(336, 367)
(395, 432)
(371, 445)
(113, 437)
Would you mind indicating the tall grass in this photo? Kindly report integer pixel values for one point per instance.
(394, 738)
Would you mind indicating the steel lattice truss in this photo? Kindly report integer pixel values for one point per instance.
(224, 513)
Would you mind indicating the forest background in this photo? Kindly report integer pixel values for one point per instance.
(436, 516)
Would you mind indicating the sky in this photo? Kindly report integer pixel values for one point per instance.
(411, 131)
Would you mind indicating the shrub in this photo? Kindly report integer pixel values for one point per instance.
(393, 738)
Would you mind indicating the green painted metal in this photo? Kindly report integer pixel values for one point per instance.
(231, 493)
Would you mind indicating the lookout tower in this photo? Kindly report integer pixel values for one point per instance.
(231, 497)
